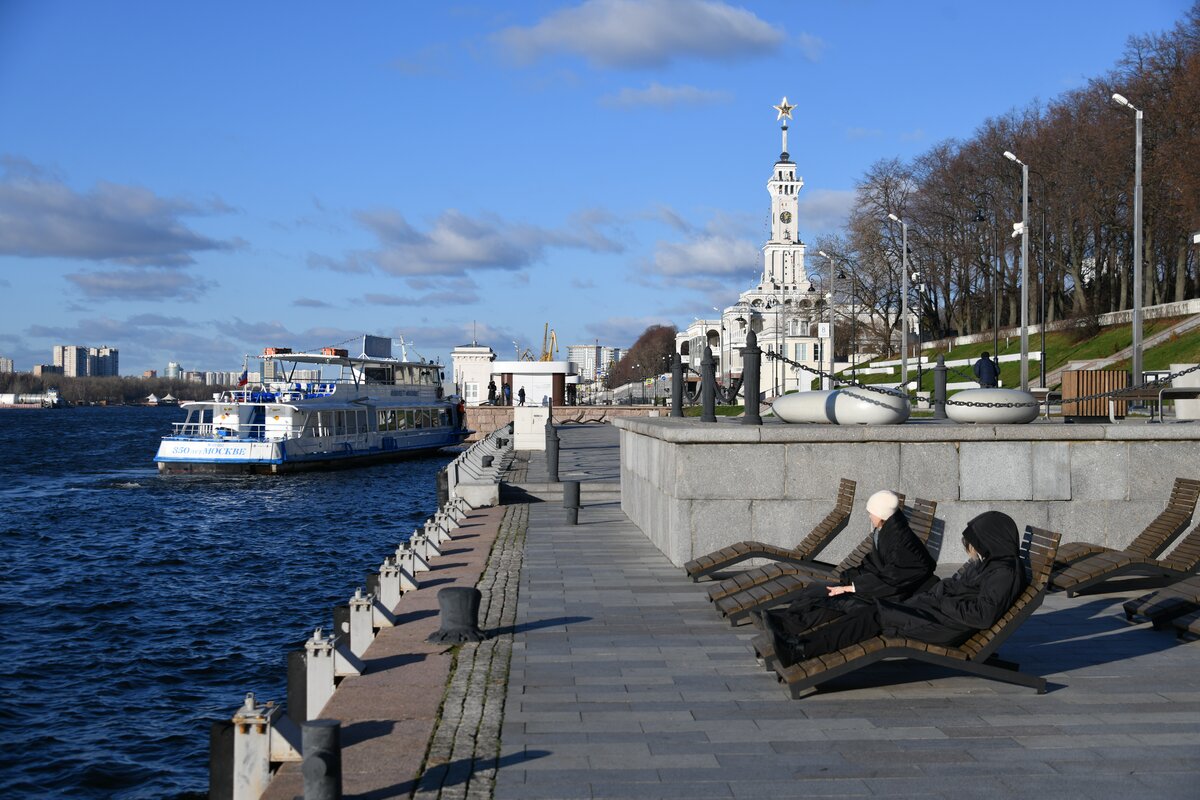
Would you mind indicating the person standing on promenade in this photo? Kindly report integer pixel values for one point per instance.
(521, 396)
(987, 372)
(508, 394)
(492, 392)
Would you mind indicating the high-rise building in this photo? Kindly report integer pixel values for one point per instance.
(74, 360)
(103, 361)
(173, 370)
(6, 364)
(593, 361)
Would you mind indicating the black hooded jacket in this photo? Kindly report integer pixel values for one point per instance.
(972, 599)
(896, 567)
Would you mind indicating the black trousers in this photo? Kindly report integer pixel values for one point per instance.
(825, 624)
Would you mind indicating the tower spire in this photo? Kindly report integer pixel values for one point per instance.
(785, 113)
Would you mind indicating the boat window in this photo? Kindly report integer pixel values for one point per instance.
(444, 419)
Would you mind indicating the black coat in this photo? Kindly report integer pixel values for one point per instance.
(896, 567)
(972, 599)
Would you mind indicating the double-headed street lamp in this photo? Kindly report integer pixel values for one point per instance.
(1023, 229)
(903, 301)
(1138, 291)
(832, 357)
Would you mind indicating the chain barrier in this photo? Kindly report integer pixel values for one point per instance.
(1114, 394)
(834, 379)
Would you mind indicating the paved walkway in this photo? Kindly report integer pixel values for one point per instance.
(624, 683)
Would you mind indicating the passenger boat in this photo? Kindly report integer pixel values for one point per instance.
(379, 408)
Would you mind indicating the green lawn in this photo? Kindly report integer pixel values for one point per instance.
(1061, 348)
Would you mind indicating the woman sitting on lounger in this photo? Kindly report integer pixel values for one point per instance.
(949, 613)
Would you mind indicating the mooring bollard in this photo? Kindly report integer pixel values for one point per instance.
(708, 387)
(571, 501)
(551, 455)
(676, 385)
(443, 486)
(362, 628)
(459, 607)
(751, 379)
(310, 678)
(321, 744)
(406, 561)
(242, 749)
(939, 388)
(487, 461)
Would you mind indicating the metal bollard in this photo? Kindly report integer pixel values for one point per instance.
(252, 749)
(552, 456)
(676, 385)
(751, 376)
(708, 387)
(487, 461)
(443, 486)
(322, 764)
(939, 388)
(571, 501)
(459, 607)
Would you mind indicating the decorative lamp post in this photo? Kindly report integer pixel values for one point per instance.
(1138, 290)
(832, 357)
(1023, 228)
(903, 301)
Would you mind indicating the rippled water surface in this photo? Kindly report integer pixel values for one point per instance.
(138, 607)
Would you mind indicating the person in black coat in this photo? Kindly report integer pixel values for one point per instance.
(949, 613)
(896, 567)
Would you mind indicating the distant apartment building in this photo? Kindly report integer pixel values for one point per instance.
(74, 361)
(47, 369)
(173, 370)
(103, 361)
(593, 361)
(6, 364)
(150, 373)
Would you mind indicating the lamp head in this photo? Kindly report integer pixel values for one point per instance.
(894, 218)
(1120, 99)
(823, 253)
(1012, 157)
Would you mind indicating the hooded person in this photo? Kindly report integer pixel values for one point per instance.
(897, 566)
(948, 613)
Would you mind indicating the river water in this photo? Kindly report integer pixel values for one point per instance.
(138, 608)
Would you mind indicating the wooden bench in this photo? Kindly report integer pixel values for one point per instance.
(1151, 395)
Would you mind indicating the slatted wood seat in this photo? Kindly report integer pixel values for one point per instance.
(976, 656)
(1188, 626)
(1157, 536)
(1163, 605)
(1181, 562)
(810, 567)
(786, 587)
(817, 539)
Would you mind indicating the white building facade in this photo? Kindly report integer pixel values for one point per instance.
(784, 309)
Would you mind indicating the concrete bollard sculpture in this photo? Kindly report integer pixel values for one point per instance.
(992, 406)
(847, 406)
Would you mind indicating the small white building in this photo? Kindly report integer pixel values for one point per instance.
(475, 366)
(472, 368)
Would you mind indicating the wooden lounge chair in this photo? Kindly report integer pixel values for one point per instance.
(791, 580)
(760, 575)
(817, 539)
(1163, 605)
(1157, 536)
(1188, 626)
(976, 656)
(1087, 572)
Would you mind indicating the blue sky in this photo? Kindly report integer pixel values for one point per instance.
(194, 181)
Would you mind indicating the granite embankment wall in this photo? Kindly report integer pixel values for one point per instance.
(485, 419)
(693, 488)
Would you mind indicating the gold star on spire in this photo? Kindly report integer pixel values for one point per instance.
(784, 109)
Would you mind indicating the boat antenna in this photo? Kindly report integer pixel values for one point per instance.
(474, 341)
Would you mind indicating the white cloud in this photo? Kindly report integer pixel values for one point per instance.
(705, 254)
(811, 47)
(457, 243)
(42, 217)
(823, 210)
(660, 96)
(139, 284)
(644, 33)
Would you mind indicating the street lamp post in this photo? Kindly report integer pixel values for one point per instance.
(832, 357)
(1138, 291)
(1024, 231)
(981, 216)
(903, 301)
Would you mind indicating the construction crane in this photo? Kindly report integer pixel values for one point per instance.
(549, 343)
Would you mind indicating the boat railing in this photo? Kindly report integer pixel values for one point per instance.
(209, 430)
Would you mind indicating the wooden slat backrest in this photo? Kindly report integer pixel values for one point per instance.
(922, 517)
(833, 523)
(1037, 558)
(1157, 535)
(1186, 555)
